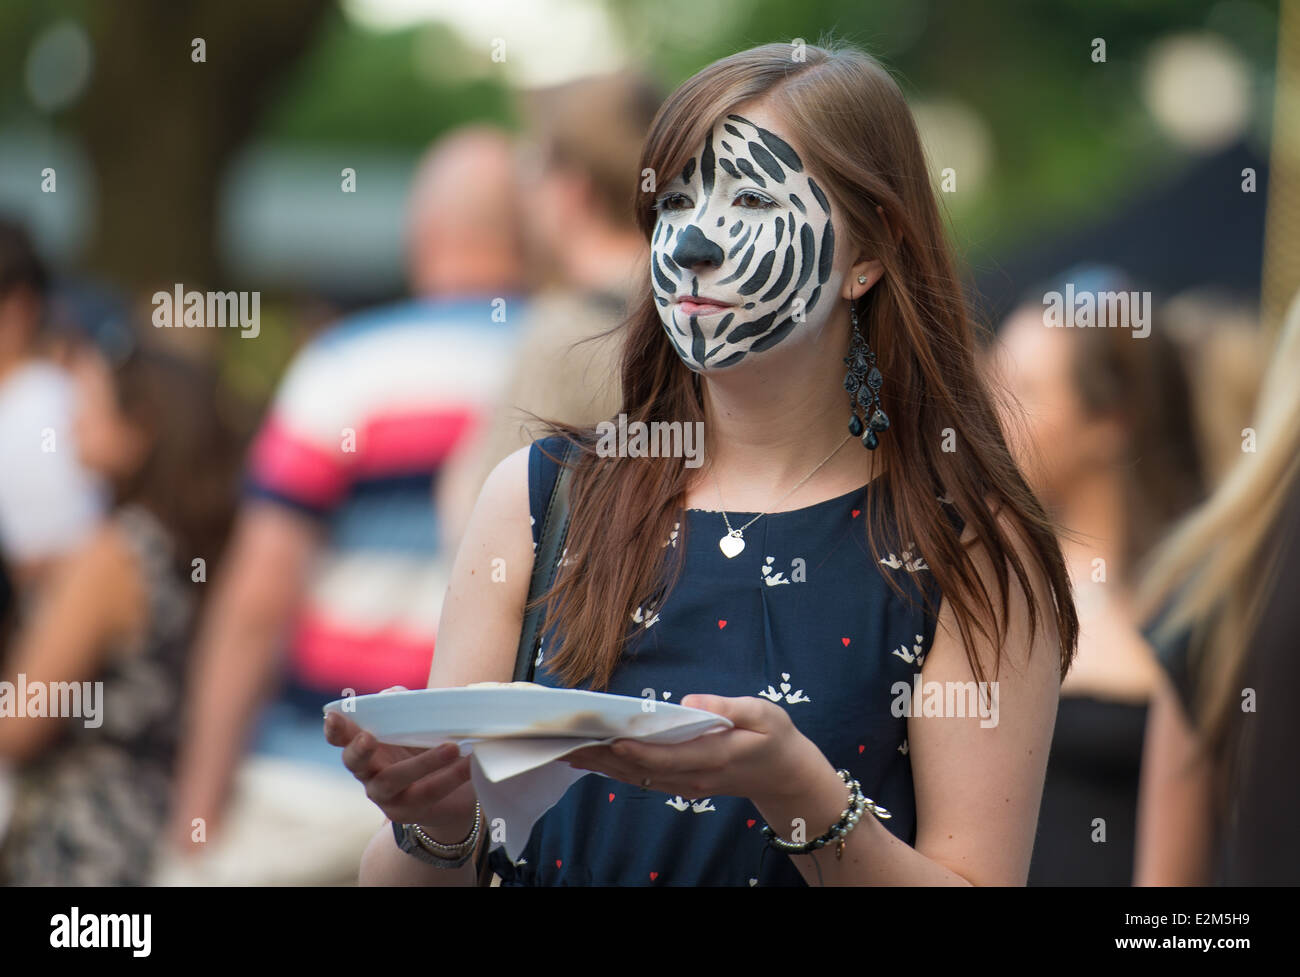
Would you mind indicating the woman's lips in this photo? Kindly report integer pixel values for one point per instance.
(701, 306)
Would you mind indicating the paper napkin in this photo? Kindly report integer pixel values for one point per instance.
(518, 779)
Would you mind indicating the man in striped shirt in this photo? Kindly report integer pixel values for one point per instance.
(333, 580)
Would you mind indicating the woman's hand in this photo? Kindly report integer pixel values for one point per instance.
(763, 757)
(410, 785)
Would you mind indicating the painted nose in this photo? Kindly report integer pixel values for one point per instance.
(693, 248)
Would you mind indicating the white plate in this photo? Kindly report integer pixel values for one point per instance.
(426, 717)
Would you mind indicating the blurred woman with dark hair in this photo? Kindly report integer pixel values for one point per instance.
(1101, 421)
(93, 788)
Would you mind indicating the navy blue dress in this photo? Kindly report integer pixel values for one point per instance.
(803, 616)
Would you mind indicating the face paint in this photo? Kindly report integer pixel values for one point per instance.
(743, 246)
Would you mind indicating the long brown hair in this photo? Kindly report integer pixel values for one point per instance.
(188, 477)
(853, 127)
(1145, 384)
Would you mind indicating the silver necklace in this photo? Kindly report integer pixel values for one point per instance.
(734, 541)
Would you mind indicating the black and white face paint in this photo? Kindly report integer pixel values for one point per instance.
(742, 248)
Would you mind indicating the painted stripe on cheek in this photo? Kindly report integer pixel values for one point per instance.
(738, 245)
(661, 279)
(760, 276)
(782, 280)
(827, 256)
(807, 248)
(740, 270)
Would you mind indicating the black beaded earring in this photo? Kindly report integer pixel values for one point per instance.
(863, 382)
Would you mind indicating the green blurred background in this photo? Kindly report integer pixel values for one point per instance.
(227, 171)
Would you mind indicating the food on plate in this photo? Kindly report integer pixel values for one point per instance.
(504, 685)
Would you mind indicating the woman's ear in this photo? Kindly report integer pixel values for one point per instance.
(871, 270)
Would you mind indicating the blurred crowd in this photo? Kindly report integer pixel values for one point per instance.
(223, 579)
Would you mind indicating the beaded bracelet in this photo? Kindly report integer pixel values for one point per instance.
(849, 818)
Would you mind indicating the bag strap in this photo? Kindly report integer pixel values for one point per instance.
(555, 525)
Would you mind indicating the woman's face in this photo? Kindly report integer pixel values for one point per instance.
(107, 442)
(1056, 442)
(743, 252)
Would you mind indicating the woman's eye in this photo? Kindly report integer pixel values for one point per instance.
(672, 201)
(753, 201)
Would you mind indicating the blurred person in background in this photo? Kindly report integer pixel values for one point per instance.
(1106, 440)
(49, 503)
(93, 789)
(334, 558)
(1220, 797)
(585, 140)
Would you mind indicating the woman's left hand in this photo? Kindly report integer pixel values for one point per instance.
(763, 756)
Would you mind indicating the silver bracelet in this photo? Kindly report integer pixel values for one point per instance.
(849, 818)
(413, 840)
(458, 849)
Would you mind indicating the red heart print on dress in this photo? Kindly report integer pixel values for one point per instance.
(721, 624)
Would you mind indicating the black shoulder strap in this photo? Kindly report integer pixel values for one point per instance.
(555, 525)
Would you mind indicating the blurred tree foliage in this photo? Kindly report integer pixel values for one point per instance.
(395, 89)
(1068, 136)
(159, 122)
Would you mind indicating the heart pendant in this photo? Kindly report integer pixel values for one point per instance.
(731, 544)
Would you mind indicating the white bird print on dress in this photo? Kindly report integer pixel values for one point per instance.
(770, 578)
(672, 537)
(647, 615)
(785, 693)
(916, 656)
(679, 803)
(907, 562)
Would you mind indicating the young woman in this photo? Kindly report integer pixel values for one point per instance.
(796, 581)
(93, 788)
(1219, 798)
(1107, 441)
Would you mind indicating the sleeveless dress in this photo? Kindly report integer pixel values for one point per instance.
(803, 617)
(89, 809)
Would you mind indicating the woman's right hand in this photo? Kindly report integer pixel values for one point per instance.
(429, 787)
